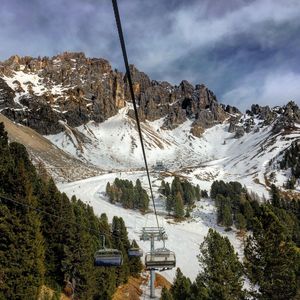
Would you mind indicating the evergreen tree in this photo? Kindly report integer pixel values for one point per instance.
(241, 222)
(275, 196)
(178, 206)
(221, 272)
(169, 203)
(166, 294)
(204, 194)
(21, 242)
(198, 192)
(227, 216)
(167, 189)
(180, 289)
(162, 188)
(121, 242)
(272, 259)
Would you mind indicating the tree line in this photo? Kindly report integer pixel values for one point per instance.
(291, 159)
(179, 194)
(271, 254)
(49, 239)
(129, 195)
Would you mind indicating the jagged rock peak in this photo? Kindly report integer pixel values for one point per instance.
(74, 89)
(279, 117)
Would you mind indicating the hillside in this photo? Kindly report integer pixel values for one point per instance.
(217, 154)
(75, 117)
(83, 107)
(47, 157)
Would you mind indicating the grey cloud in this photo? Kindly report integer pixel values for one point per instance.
(225, 44)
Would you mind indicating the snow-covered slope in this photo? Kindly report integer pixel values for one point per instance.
(184, 238)
(114, 145)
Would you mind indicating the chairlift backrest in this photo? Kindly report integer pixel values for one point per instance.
(135, 252)
(160, 259)
(108, 258)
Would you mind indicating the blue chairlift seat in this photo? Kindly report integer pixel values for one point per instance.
(108, 258)
(135, 252)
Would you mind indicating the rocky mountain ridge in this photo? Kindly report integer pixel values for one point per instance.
(45, 93)
(282, 118)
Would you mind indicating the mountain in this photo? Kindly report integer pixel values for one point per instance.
(83, 107)
(70, 88)
(75, 117)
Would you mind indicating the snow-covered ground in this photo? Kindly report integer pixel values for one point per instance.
(184, 238)
(217, 155)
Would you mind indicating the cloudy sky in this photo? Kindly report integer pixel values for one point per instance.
(246, 51)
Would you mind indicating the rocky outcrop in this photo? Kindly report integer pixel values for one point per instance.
(239, 132)
(280, 118)
(290, 114)
(75, 89)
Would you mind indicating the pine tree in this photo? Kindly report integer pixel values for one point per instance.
(241, 222)
(198, 192)
(167, 189)
(227, 216)
(275, 196)
(166, 294)
(178, 206)
(180, 289)
(169, 203)
(21, 242)
(221, 271)
(272, 259)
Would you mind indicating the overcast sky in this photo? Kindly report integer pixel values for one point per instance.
(246, 51)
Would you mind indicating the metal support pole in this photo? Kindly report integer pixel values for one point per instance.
(152, 272)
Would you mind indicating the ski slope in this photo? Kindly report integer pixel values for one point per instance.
(184, 238)
(217, 155)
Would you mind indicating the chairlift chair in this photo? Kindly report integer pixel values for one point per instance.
(135, 252)
(160, 259)
(108, 257)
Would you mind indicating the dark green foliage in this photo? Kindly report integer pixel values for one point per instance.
(204, 194)
(272, 257)
(197, 192)
(55, 248)
(224, 216)
(181, 193)
(288, 212)
(275, 197)
(166, 294)
(291, 159)
(232, 200)
(181, 287)
(222, 272)
(120, 241)
(21, 242)
(178, 206)
(241, 222)
(123, 191)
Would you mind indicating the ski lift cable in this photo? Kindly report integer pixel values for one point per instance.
(124, 52)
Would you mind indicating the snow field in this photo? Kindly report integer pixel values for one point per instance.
(184, 238)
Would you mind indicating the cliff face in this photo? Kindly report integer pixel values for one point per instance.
(44, 93)
(283, 119)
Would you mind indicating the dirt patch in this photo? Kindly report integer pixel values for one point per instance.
(129, 291)
(161, 281)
